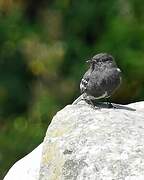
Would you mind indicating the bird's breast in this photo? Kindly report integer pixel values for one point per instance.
(103, 81)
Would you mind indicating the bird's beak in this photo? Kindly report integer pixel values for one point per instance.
(88, 61)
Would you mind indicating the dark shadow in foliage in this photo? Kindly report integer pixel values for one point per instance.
(15, 81)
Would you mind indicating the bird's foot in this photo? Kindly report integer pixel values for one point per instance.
(92, 104)
(109, 104)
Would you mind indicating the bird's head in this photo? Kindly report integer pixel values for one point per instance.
(101, 60)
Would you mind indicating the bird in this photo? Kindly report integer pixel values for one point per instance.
(101, 79)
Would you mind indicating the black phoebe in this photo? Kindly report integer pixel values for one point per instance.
(102, 78)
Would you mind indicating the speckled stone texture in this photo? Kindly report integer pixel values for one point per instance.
(83, 143)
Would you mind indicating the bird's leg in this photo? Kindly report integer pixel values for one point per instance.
(109, 104)
(89, 101)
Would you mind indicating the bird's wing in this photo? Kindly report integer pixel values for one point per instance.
(84, 82)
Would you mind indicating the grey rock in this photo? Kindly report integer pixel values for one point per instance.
(83, 143)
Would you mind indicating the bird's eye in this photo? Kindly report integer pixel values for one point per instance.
(106, 59)
(97, 60)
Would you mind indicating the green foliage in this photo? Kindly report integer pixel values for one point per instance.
(15, 77)
(43, 48)
(17, 139)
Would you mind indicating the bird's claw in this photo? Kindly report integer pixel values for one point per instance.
(110, 105)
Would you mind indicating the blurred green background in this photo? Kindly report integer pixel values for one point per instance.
(43, 48)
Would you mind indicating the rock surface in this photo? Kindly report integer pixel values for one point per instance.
(83, 143)
(27, 168)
